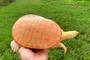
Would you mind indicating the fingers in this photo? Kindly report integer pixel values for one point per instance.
(25, 53)
(41, 55)
(44, 54)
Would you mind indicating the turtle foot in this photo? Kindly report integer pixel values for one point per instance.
(61, 45)
(14, 46)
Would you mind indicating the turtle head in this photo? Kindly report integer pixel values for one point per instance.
(72, 34)
(69, 35)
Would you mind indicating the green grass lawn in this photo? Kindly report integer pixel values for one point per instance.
(69, 16)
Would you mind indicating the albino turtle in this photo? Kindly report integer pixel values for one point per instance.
(33, 31)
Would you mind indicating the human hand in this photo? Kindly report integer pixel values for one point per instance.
(33, 54)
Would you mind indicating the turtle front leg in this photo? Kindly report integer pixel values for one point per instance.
(14, 46)
(61, 45)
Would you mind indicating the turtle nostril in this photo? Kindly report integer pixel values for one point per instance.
(77, 33)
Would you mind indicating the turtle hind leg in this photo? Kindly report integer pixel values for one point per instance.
(61, 45)
(14, 46)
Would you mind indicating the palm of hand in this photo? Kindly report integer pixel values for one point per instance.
(28, 54)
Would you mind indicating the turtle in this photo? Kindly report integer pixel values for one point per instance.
(36, 32)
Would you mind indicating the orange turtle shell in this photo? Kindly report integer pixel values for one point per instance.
(33, 31)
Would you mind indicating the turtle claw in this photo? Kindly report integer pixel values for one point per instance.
(65, 50)
(14, 46)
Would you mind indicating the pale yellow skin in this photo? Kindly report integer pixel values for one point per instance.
(65, 35)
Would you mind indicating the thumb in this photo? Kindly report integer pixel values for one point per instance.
(25, 54)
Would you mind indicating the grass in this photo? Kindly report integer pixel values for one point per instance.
(5, 2)
(70, 16)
